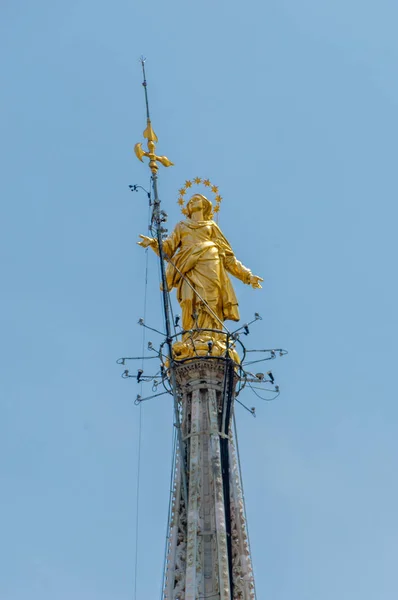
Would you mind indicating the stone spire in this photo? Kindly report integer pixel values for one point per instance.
(208, 550)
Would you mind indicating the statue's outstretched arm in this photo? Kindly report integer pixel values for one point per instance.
(236, 268)
(170, 245)
(232, 265)
(148, 241)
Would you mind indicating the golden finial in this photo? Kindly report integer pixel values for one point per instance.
(150, 136)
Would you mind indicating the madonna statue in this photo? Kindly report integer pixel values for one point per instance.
(199, 259)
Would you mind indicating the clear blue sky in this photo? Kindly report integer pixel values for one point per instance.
(291, 108)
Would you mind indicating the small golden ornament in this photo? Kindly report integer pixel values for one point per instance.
(197, 181)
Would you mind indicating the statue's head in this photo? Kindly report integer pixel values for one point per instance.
(199, 202)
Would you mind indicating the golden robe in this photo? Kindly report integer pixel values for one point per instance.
(198, 253)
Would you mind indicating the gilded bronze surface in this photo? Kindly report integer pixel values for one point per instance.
(199, 261)
(152, 139)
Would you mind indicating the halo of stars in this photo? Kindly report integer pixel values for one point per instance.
(197, 181)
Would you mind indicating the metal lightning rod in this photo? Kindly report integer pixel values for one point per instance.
(152, 140)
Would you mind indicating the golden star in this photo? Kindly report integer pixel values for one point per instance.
(188, 183)
(207, 182)
(180, 201)
(216, 209)
(218, 198)
(184, 211)
(182, 191)
(197, 180)
(214, 189)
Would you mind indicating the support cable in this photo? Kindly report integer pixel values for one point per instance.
(140, 424)
(166, 309)
(186, 279)
(229, 376)
(253, 389)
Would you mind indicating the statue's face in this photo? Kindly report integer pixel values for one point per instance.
(195, 204)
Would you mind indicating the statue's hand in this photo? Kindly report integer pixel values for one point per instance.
(255, 281)
(146, 241)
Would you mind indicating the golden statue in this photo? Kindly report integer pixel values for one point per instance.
(199, 259)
